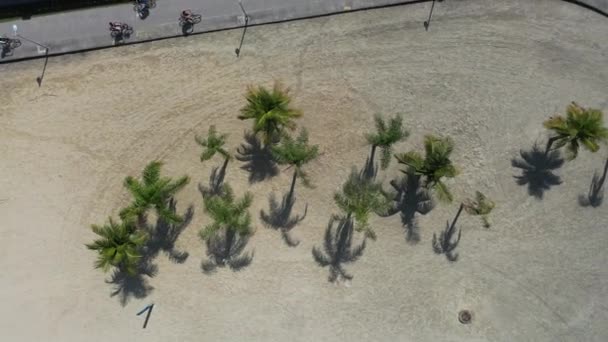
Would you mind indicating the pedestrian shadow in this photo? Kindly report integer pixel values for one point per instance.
(258, 159)
(338, 249)
(161, 237)
(444, 244)
(226, 249)
(279, 217)
(216, 179)
(410, 198)
(595, 196)
(537, 170)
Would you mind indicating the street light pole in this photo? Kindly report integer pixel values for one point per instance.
(428, 21)
(238, 50)
(46, 53)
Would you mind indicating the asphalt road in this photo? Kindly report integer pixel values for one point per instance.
(87, 29)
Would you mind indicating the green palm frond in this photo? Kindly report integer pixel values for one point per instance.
(386, 136)
(213, 143)
(270, 110)
(118, 245)
(296, 152)
(434, 166)
(228, 212)
(581, 126)
(360, 197)
(481, 206)
(155, 192)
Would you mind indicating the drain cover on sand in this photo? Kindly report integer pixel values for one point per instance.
(465, 316)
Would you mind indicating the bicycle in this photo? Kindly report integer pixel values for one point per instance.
(123, 31)
(193, 19)
(8, 43)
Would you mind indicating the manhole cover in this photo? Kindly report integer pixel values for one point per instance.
(465, 316)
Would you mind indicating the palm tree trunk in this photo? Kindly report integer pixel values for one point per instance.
(229, 240)
(550, 143)
(603, 178)
(222, 173)
(372, 155)
(449, 232)
(293, 185)
(369, 166)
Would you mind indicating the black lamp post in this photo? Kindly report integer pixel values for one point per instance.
(428, 21)
(46, 53)
(238, 50)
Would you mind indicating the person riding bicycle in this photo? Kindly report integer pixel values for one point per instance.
(187, 15)
(117, 27)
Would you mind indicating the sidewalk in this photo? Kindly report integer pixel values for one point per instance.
(88, 29)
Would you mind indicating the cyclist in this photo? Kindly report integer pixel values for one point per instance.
(187, 16)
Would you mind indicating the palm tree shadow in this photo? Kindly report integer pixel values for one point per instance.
(411, 198)
(221, 253)
(338, 249)
(216, 179)
(163, 236)
(537, 170)
(258, 159)
(279, 217)
(127, 286)
(595, 196)
(444, 244)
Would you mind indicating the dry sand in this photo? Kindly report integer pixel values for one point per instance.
(487, 74)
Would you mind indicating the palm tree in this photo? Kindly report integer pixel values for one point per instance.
(212, 144)
(581, 126)
(359, 197)
(230, 215)
(270, 110)
(296, 153)
(153, 191)
(434, 166)
(481, 206)
(119, 246)
(338, 249)
(385, 137)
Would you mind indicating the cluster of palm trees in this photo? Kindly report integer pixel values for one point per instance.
(121, 243)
